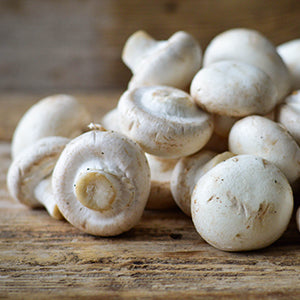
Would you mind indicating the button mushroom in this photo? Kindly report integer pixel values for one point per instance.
(265, 138)
(164, 121)
(173, 62)
(251, 47)
(288, 114)
(29, 175)
(160, 194)
(244, 203)
(101, 182)
(110, 121)
(290, 53)
(234, 88)
(59, 115)
(187, 172)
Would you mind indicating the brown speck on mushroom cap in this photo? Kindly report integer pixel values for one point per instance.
(106, 193)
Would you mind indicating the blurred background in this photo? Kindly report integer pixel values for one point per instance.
(53, 46)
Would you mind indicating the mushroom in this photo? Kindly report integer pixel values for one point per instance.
(251, 47)
(265, 138)
(234, 88)
(58, 115)
(290, 53)
(110, 121)
(288, 114)
(160, 194)
(173, 62)
(164, 121)
(29, 175)
(244, 203)
(102, 182)
(187, 172)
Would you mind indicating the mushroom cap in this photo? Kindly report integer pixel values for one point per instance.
(111, 120)
(110, 169)
(173, 62)
(184, 177)
(164, 121)
(288, 114)
(243, 203)
(290, 53)
(265, 138)
(251, 47)
(160, 193)
(33, 165)
(234, 88)
(58, 115)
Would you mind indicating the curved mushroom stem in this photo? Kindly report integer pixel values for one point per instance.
(139, 44)
(96, 189)
(43, 193)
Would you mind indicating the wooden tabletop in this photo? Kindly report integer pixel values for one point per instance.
(162, 257)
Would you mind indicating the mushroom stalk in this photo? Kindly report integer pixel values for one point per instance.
(43, 193)
(137, 46)
(96, 189)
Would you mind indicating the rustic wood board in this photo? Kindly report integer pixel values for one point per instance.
(162, 257)
(77, 44)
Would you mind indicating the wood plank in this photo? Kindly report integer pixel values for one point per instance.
(162, 257)
(54, 45)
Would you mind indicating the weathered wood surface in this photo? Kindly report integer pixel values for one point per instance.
(162, 257)
(50, 45)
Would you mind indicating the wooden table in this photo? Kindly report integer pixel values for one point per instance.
(162, 257)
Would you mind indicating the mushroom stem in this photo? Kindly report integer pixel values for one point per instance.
(43, 193)
(96, 189)
(137, 46)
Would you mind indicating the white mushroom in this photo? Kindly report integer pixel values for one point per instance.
(164, 121)
(102, 182)
(234, 88)
(173, 62)
(244, 203)
(290, 53)
(250, 47)
(265, 138)
(187, 172)
(59, 115)
(29, 175)
(160, 194)
(110, 121)
(288, 114)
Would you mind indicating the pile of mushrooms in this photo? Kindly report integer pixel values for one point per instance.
(216, 136)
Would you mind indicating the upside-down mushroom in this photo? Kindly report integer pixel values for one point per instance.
(101, 182)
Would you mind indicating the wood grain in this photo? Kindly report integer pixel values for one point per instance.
(55, 45)
(163, 257)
